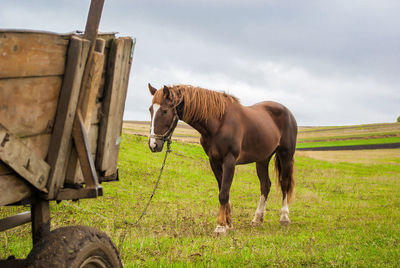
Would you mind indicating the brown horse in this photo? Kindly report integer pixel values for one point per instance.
(231, 134)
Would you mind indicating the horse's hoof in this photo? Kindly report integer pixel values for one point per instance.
(257, 221)
(285, 222)
(221, 230)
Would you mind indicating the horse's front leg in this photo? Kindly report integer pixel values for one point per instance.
(225, 217)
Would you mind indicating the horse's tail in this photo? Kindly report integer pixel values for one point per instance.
(284, 156)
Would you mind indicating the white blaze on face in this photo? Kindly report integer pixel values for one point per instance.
(153, 140)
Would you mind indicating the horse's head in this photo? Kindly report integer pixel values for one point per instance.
(164, 117)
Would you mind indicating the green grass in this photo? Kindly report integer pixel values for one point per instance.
(343, 214)
(348, 142)
(371, 135)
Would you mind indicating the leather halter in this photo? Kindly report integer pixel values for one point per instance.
(167, 135)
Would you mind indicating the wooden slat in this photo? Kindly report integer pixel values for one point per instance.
(60, 144)
(22, 160)
(20, 189)
(28, 105)
(40, 214)
(39, 144)
(74, 194)
(14, 221)
(85, 156)
(87, 104)
(31, 54)
(93, 19)
(118, 69)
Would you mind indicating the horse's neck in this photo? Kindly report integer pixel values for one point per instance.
(205, 128)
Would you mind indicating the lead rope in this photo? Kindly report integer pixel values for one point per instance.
(122, 237)
(156, 185)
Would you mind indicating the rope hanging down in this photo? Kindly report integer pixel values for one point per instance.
(156, 185)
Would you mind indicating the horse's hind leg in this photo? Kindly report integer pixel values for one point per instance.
(284, 164)
(265, 186)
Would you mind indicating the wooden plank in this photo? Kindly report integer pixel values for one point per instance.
(28, 105)
(74, 194)
(39, 144)
(20, 189)
(15, 220)
(25, 54)
(84, 154)
(93, 19)
(22, 160)
(61, 141)
(87, 103)
(118, 69)
(92, 84)
(97, 112)
(40, 213)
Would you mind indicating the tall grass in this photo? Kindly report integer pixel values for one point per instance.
(343, 214)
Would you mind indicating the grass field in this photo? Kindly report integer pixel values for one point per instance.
(348, 135)
(346, 213)
(308, 137)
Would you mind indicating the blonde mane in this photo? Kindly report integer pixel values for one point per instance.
(199, 103)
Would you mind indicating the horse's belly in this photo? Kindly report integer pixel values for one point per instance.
(257, 151)
(258, 144)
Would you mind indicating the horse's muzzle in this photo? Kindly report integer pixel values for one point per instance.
(156, 145)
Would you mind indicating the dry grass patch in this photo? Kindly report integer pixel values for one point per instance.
(383, 156)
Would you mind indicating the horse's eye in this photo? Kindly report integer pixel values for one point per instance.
(163, 111)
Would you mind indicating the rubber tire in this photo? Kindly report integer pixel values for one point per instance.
(73, 245)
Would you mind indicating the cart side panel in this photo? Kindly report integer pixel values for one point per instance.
(31, 54)
(114, 97)
(12, 187)
(28, 105)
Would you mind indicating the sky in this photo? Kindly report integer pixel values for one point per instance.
(329, 62)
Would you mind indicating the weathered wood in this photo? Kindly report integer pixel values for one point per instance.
(118, 69)
(28, 105)
(74, 194)
(20, 189)
(22, 160)
(60, 144)
(40, 212)
(87, 103)
(93, 19)
(91, 86)
(5, 170)
(15, 220)
(84, 154)
(39, 144)
(77, 177)
(25, 54)
(97, 112)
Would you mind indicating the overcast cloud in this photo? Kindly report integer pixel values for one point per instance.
(330, 62)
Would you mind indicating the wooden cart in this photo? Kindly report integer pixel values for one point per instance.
(62, 98)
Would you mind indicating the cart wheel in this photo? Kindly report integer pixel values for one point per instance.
(75, 246)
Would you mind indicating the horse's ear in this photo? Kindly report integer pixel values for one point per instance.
(152, 89)
(166, 92)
